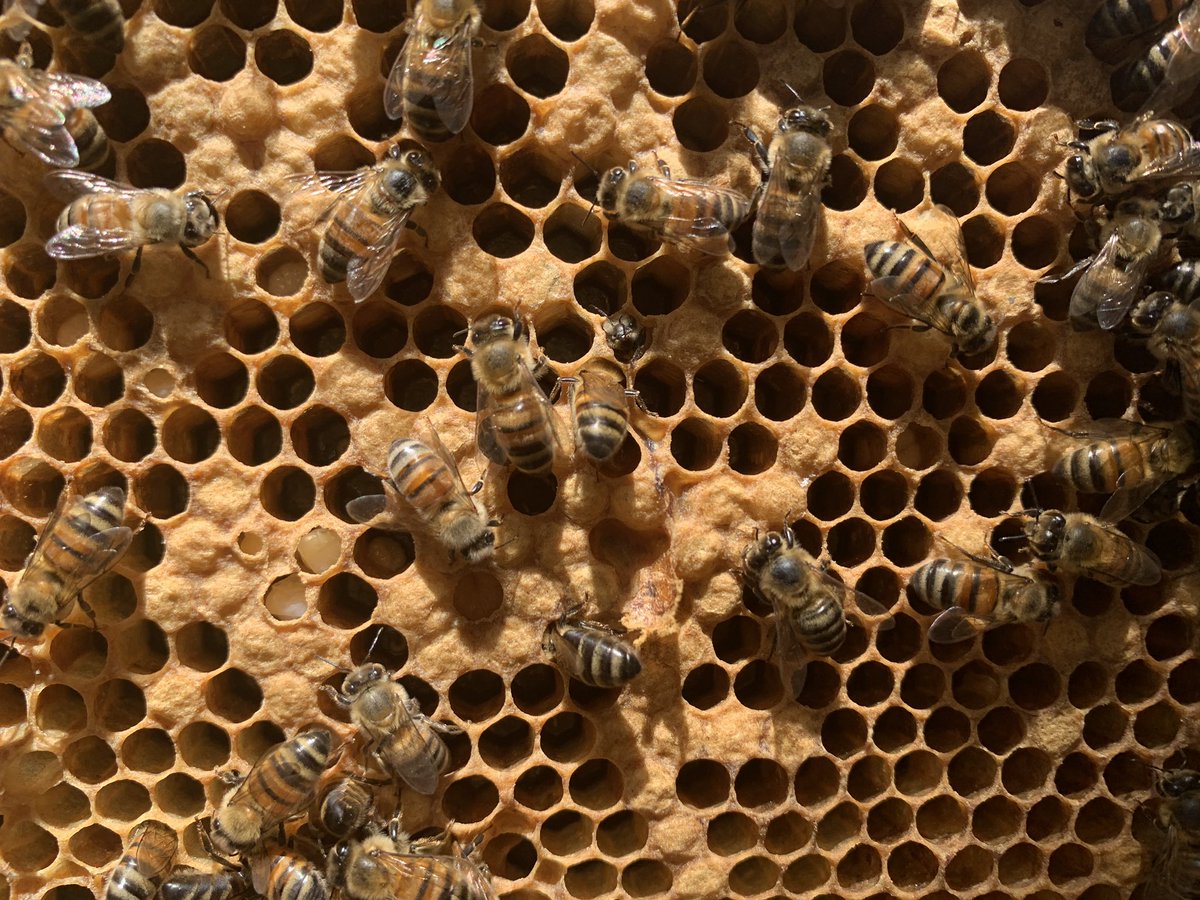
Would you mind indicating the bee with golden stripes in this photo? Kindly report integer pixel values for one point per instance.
(1084, 545)
(429, 481)
(1120, 158)
(977, 591)
(599, 403)
(1175, 870)
(692, 214)
(1173, 336)
(281, 874)
(374, 869)
(431, 84)
(344, 807)
(908, 277)
(1130, 460)
(105, 217)
(1117, 20)
(49, 113)
(514, 419)
(590, 652)
(1163, 75)
(81, 541)
(403, 739)
(809, 604)
(188, 884)
(101, 22)
(149, 853)
(794, 170)
(369, 214)
(279, 785)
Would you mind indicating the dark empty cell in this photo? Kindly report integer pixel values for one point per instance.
(954, 186)
(123, 117)
(971, 771)
(531, 495)
(567, 20)
(567, 736)
(843, 733)
(860, 867)
(597, 784)
(601, 288)
(998, 396)
(248, 14)
(1035, 242)
(315, 15)
(1183, 684)
(251, 327)
(873, 132)
(938, 495)
(702, 783)
(899, 185)
(380, 329)
(285, 382)
(119, 705)
(840, 824)
(890, 391)
(281, 272)
(528, 177)
(346, 601)
(632, 244)
(984, 241)
(917, 773)
(848, 77)
(883, 494)
(700, 124)
(761, 21)
(988, 137)
(1137, 683)
(851, 542)
(317, 329)
(1011, 189)
(706, 686)
(830, 496)
(12, 219)
(941, 817)
(807, 339)
(752, 449)
(502, 231)
(79, 652)
(847, 186)
(730, 69)
(320, 436)
(862, 446)
(572, 233)
(162, 492)
(1030, 346)
(737, 638)
(1056, 396)
(510, 856)
(903, 641)
(963, 80)
(969, 441)
(537, 689)
(477, 696)
(283, 56)
(1023, 84)
(59, 709)
(835, 395)
(1047, 818)
(877, 27)
(17, 540)
(15, 329)
(221, 380)
(252, 217)
(183, 13)
(29, 271)
(869, 684)
(779, 392)
(1070, 862)
(1008, 645)
(868, 778)
(125, 324)
(1108, 395)
(695, 444)
(1098, 821)
(753, 875)
(411, 385)
(731, 833)
(37, 379)
(254, 436)
(407, 281)
(837, 286)
(670, 68)
(341, 153)
(288, 493)
(123, 800)
(719, 388)
(233, 695)
(758, 685)
(864, 340)
(911, 865)
(660, 287)
(216, 53)
(894, 729)
(142, 648)
(90, 278)
(1174, 544)
(469, 177)
(470, 799)
(1088, 685)
(538, 788)
(190, 434)
(380, 643)
(537, 66)
(750, 336)
(1035, 686)
(566, 832)
(500, 115)
(1156, 725)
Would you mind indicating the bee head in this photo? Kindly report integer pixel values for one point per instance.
(1149, 313)
(769, 545)
(362, 677)
(610, 189)
(493, 328)
(421, 165)
(18, 625)
(1179, 782)
(980, 338)
(1045, 533)
(1081, 176)
(805, 118)
(202, 219)
(1116, 159)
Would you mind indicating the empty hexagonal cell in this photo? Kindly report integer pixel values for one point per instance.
(671, 68)
(28, 271)
(251, 327)
(963, 80)
(89, 759)
(567, 736)
(233, 695)
(917, 773)
(538, 788)
(566, 832)
(28, 847)
(753, 875)
(700, 125)
(596, 784)
(288, 493)
(702, 783)
(848, 77)
(706, 686)
(730, 68)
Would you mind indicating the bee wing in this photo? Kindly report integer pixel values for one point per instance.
(1179, 76)
(439, 448)
(954, 251)
(800, 207)
(446, 62)
(1120, 287)
(707, 234)
(951, 626)
(106, 547)
(377, 510)
(890, 291)
(68, 184)
(1151, 565)
(81, 242)
(49, 141)
(414, 869)
(318, 185)
(793, 659)
(866, 605)
(1125, 500)
(366, 270)
(485, 432)
(77, 91)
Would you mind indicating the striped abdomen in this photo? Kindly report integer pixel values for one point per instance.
(1182, 280)
(685, 200)
(424, 87)
(412, 752)
(101, 21)
(90, 139)
(1128, 18)
(1145, 75)
(345, 807)
(283, 876)
(601, 413)
(100, 211)
(1107, 555)
(915, 272)
(284, 780)
(435, 878)
(593, 656)
(423, 478)
(191, 885)
(359, 222)
(1098, 467)
(147, 859)
(819, 623)
(523, 430)
(978, 590)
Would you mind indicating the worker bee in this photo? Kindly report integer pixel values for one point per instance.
(429, 481)
(514, 420)
(593, 653)
(691, 214)
(278, 786)
(809, 604)
(431, 84)
(344, 807)
(794, 170)
(281, 874)
(599, 409)
(81, 541)
(1181, 279)
(1164, 75)
(1117, 159)
(908, 277)
(148, 857)
(1132, 461)
(1175, 872)
(1177, 495)
(1116, 20)
(104, 217)
(101, 22)
(374, 869)
(368, 216)
(1082, 544)
(626, 337)
(402, 738)
(977, 590)
(49, 113)
(188, 884)
(1173, 331)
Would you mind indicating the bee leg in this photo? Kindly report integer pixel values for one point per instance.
(556, 391)
(207, 844)
(419, 230)
(1097, 124)
(759, 150)
(190, 254)
(88, 611)
(663, 168)
(8, 651)
(336, 696)
(1074, 270)
(135, 268)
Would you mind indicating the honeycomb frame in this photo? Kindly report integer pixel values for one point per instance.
(245, 410)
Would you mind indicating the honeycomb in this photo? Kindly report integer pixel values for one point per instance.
(244, 411)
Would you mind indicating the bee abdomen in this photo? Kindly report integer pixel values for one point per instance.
(599, 659)
(291, 878)
(601, 429)
(892, 259)
(128, 883)
(526, 436)
(185, 885)
(1129, 18)
(1098, 467)
(419, 474)
(1145, 74)
(90, 140)
(420, 111)
(291, 771)
(822, 626)
(103, 21)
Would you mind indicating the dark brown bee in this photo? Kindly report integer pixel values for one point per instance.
(99, 21)
(1173, 331)
(149, 853)
(1119, 19)
(188, 884)
(280, 874)
(1082, 544)
(1132, 461)
(1175, 871)
(345, 807)
(976, 591)
(599, 409)
(1118, 159)
(369, 215)
(279, 785)
(794, 170)
(908, 277)
(626, 337)
(1164, 74)
(1181, 279)
(688, 213)
(375, 869)
(593, 653)
(431, 84)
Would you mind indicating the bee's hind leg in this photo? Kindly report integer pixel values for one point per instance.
(190, 254)
(135, 268)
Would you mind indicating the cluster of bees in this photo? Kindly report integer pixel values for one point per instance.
(1133, 182)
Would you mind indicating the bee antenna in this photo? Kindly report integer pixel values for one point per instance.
(1009, 537)
(791, 90)
(374, 641)
(586, 164)
(329, 662)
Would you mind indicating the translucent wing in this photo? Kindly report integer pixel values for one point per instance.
(1114, 286)
(800, 207)
(81, 242)
(1183, 66)
(1126, 499)
(891, 292)
(1105, 571)
(438, 876)
(366, 270)
(377, 510)
(47, 140)
(76, 91)
(705, 233)
(444, 64)
(416, 769)
(439, 448)
(485, 433)
(69, 184)
(951, 626)
(952, 253)
(318, 185)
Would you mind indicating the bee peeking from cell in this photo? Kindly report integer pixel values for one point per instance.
(1172, 331)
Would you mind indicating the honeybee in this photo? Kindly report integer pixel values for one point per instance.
(1176, 495)
(1181, 279)
(345, 807)
(514, 421)
(99, 21)
(1173, 329)
(908, 277)
(599, 409)
(429, 481)
(993, 592)
(626, 337)
(794, 170)
(49, 113)
(368, 216)
(81, 541)
(149, 853)
(188, 884)
(1119, 19)
(105, 217)
(1164, 74)
(691, 214)
(1175, 872)
(402, 738)
(373, 869)
(278, 786)
(810, 615)
(593, 653)
(431, 84)
(1132, 461)
(282, 875)
(1117, 159)
(1080, 543)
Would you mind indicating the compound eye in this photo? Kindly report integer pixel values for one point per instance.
(415, 158)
